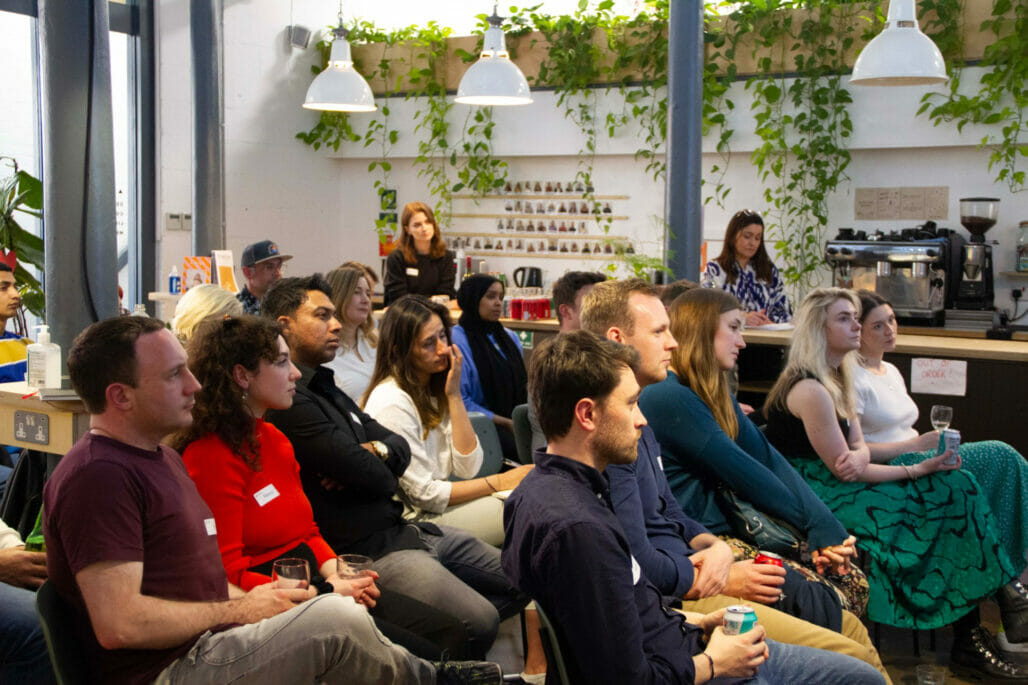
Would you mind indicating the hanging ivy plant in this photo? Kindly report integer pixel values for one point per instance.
(1002, 98)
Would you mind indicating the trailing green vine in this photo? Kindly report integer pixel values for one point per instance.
(1002, 98)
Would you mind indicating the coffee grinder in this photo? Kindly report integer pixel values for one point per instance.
(978, 215)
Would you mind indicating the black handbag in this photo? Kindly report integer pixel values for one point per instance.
(759, 529)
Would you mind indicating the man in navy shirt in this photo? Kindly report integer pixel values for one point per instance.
(567, 550)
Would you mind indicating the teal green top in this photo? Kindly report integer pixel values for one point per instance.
(698, 456)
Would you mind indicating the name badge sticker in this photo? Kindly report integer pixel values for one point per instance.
(660, 463)
(356, 419)
(411, 271)
(265, 495)
(636, 571)
(209, 525)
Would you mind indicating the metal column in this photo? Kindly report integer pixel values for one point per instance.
(683, 197)
(81, 274)
(208, 126)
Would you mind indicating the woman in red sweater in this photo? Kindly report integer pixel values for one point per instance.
(245, 470)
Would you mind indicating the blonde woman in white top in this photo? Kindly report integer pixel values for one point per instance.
(415, 392)
(355, 359)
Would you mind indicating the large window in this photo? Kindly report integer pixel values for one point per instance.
(131, 50)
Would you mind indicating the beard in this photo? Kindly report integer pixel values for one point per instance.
(616, 447)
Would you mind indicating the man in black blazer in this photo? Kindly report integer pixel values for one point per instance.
(350, 467)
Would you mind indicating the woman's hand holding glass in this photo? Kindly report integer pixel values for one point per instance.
(926, 441)
(355, 578)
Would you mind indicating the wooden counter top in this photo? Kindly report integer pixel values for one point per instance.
(958, 344)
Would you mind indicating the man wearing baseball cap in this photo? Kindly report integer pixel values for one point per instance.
(262, 266)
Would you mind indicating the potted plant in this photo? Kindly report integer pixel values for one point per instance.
(22, 192)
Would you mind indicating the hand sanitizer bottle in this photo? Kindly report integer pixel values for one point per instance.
(43, 359)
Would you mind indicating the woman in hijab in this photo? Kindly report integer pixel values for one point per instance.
(494, 380)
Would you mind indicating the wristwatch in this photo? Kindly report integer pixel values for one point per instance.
(380, 449)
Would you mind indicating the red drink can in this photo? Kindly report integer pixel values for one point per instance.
(517, 308)
(768, 558)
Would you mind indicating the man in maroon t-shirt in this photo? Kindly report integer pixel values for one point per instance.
(132, 547)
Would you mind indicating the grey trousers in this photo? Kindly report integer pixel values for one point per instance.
(328, 639)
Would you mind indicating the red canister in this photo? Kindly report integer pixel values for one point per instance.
(768, 558)
(517, 308)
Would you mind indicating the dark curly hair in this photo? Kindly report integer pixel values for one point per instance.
(214, 350)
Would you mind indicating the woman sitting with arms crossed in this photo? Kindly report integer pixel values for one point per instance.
(887, 415)
(355, 359)
(415, 392)
(707, 443)
(245, 470)
(494, 380)
(914, 516)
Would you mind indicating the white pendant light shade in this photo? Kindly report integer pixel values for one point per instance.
(339, 88)
(494, 79)
(901, 55)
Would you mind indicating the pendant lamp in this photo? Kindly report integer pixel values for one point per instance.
(901, 55)
(340, 88)
(494, 79)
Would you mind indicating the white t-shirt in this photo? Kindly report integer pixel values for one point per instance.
(353, 372)
(887, 413)
(433, 459)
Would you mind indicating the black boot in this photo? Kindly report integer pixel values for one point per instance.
(468, 673)
(978, 656)
(1013, 607)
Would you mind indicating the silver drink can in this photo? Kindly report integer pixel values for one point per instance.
(949, 439)
(739, 619)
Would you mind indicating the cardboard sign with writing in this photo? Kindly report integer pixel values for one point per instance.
(938, 376)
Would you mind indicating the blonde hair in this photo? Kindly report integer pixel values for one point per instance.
(344, 282)
(199, 303)
(808, 353)
(606, 305)
(695, 319)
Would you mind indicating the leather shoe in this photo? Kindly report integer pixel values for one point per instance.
(1013, 607)
(468, 673)
(979, 656)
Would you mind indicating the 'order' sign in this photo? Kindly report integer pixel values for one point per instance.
(938, 376)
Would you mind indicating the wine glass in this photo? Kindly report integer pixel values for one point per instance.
(941, 416)
(350, 566)
(291, 574)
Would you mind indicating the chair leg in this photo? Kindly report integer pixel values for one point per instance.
(524, 636)
(916, 634)
(931, 640)
(876, 632)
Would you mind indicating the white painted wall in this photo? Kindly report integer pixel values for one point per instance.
(321, 206)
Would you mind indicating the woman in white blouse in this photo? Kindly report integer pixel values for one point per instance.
(415, 392)
(887, 415)
(355, 359)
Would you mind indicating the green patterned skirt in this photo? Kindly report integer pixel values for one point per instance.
(931, 547)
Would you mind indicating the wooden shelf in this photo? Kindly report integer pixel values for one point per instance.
(564, 217)
(536, 235)
(1014, 274)
(521, 254)
(543, 196)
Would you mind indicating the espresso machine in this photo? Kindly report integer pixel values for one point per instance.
(975, 291)
(914, 268)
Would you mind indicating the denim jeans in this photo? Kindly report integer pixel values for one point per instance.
(328, 639)
(460, 574)
(23, 655)
(795, 664)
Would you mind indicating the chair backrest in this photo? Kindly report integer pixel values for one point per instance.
(62, 640)
(551, 646)
(522, 433)
(485, 429)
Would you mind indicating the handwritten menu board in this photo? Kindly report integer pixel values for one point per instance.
(920, 203)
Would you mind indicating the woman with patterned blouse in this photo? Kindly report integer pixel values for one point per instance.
(744, 269)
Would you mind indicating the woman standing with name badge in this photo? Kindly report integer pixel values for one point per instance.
(421, 264)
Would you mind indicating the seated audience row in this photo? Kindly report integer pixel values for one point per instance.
(143, 576)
